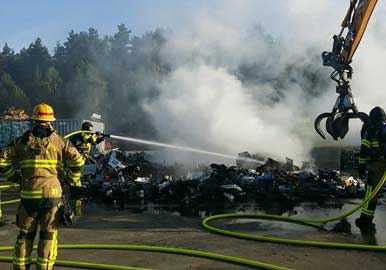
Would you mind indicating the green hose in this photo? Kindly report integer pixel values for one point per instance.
(77, 132)
(304, 221)
(169, 250)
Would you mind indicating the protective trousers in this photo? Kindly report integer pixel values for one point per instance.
(376, 171)
(30, 214)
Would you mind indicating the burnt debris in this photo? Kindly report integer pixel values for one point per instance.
(122, 178)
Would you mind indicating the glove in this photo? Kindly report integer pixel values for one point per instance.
(100, 137)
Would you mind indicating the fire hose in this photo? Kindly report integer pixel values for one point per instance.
(224, 258)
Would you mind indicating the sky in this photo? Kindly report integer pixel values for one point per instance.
(22, 21)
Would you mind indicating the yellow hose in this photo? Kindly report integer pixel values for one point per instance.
(168, 250)
(304, 221)
(77, 132)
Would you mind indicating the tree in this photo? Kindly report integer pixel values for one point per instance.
(84, 94)
(11, 94)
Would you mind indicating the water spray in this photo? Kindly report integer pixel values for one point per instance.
(182, 148)
(171, 146)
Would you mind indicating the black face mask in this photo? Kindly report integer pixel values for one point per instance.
(41, 131)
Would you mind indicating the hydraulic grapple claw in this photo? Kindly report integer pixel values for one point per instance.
(337, 124)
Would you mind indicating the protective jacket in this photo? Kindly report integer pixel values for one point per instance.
(372, 145)
(41, 162)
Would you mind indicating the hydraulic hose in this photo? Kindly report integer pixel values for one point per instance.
(304, 221)
(168, 250)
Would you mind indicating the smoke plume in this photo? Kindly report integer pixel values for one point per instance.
(248, 76)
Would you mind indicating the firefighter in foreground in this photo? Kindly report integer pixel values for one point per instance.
(41, 155)
(372, 163)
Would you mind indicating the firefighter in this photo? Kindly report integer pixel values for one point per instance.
(83, 142)
(372, 164)
(42, 156)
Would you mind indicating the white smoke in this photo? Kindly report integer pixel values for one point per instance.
(204, 103)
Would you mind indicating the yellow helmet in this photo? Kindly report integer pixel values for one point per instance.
(43, 112)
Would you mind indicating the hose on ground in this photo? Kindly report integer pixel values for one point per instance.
(168, 250)
(304, 221)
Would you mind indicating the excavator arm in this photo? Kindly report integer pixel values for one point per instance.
(344, 47)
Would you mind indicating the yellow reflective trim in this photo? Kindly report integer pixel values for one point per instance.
(75, 174)
(363, 160)
(36, 194)
(39, 160)
(31, 196)
(8, 173)
(40, 259)
(21, 261)
(5, 163)
(368, 212)
(79, 162)
(75, 165)
(44, 262)
(45, 166)
(364, 141)
(54, 248)
(32, 191)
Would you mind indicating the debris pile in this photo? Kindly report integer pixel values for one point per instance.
(126, 177)
(14, 113)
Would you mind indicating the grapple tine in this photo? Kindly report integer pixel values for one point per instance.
(359, 115)
(317, 122)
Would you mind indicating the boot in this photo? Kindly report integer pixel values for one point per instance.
(365, 224)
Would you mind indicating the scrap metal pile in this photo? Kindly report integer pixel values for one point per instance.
(121, 178)
(14, 113)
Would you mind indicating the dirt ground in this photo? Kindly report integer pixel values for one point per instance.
(117, 227)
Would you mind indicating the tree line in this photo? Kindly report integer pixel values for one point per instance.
(87, 73)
